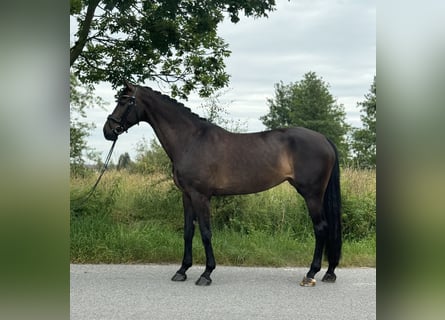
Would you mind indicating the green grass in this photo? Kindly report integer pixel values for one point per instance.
(102, 241)
(138, 219)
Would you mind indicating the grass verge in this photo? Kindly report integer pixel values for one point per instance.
(133, 218)
(103, 241)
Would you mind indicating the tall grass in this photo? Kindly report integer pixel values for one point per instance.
(138, 218)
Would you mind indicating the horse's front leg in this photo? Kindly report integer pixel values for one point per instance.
(201, 206)
(189, 231)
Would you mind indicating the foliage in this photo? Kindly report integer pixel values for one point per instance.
(216, 112)
(124, 162)
(81, 97)
(364, 139)
(136, 217)
(308, 103)
(358, 203)
(174, 41)
(151, 158)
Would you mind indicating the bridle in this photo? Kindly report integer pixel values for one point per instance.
(123, 119)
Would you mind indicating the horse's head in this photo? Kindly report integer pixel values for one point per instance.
(125, 115)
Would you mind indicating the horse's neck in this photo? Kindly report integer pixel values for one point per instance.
(172, 126)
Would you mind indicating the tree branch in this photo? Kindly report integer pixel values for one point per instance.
(89, 64)
(84, 29)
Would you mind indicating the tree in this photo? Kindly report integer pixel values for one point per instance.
(173, 41)
(216, 112)
(81, 97)
(364, 139)
(124, 161)
(151, 158)
(308, 103)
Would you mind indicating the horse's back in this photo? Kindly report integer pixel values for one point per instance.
(297, 142)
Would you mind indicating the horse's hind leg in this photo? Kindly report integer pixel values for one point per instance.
(315, 207)
(189, 231)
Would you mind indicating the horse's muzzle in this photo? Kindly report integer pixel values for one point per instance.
(110, 133)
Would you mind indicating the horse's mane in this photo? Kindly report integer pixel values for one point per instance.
(181, 107)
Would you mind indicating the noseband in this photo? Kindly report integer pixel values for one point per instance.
(121, 122)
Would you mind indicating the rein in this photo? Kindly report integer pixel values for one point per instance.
(105, 166)
(118, 130)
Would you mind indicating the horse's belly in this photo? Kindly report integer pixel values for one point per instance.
(247, 184)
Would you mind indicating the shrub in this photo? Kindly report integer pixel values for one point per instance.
(152, 159)
(359, 203)
(134, 217)
(134, 197)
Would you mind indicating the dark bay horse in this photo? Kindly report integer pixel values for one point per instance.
(210, 161)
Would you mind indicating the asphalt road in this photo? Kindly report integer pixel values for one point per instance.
(146, 292)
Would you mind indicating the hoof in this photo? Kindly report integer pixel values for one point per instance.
(179, 277)
(203, 281)
(329, 277)
(308, 282)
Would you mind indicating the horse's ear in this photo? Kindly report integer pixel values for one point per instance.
(128, 84)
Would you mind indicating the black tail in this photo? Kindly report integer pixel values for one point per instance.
(332, 209)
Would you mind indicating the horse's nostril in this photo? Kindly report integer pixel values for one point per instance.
(118, 130)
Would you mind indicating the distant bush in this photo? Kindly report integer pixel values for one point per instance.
(151, 159)
(133, 197)
(135, 217)
(359, 203)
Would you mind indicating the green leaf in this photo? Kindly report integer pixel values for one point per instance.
(173, 41)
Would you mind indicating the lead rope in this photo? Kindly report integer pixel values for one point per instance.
(105, 166)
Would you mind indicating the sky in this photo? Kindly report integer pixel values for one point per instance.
(335, 39)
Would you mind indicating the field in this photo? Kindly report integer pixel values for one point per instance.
(135, 218)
